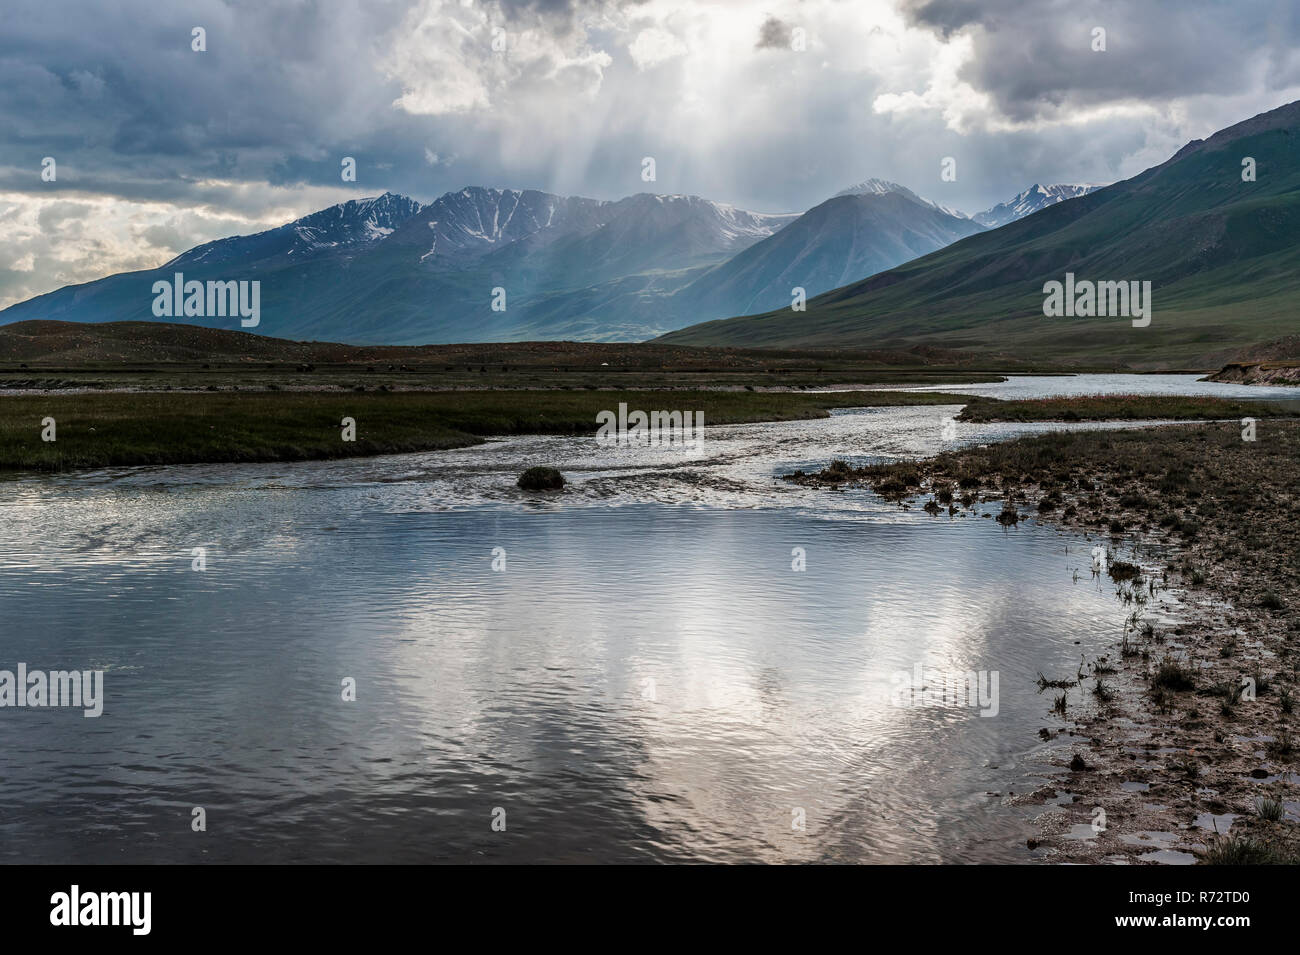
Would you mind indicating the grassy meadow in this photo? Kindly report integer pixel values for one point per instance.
(117, 429)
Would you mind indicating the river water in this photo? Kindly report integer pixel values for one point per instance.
(673, 659)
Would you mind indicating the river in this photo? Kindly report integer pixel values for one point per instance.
(673, 659)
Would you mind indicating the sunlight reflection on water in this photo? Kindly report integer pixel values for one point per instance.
(645, 681)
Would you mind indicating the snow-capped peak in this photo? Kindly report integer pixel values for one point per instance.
(875, 187)
(879, 187)
(348, 225)
(357, 221)
(1031, 200)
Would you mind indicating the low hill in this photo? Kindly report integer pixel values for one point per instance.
(109, 344)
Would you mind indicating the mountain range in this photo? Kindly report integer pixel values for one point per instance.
(1034, 198)
(847, 237)
(1215, 230)
(390, 270)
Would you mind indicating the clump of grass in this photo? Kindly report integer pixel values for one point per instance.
(1243, 850)
(1282, 746)
(838, 470)
(1009, 515)
(1268, 809)
(1120, 571)
(1102, 691)
(1050, 501)
(1228, 689)
(1058, 705)
(1078, 765)
(1161, 698)
(1172, 675)
(1044, 683)
(909, 475)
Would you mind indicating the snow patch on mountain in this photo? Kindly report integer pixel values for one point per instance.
(356, 223)
(880, 187)
(1033, 199)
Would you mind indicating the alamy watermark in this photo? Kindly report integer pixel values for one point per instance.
(922, 686)
(1088, 299)
(194, 299)
(82, 688)
(655, 429)
(77, 907)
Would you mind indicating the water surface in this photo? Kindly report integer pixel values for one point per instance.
(646, 677)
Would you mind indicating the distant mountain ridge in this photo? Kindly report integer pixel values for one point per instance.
(847, 237)
(391, 270)
(1221, 250)
(351, 224)
(1033, 199)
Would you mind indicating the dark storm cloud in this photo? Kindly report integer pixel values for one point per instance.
(285, 90)
(773, 35)
(116, 93)
(258, 124)
(1036, 57)
(946, 16)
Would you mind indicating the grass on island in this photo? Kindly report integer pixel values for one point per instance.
(115, 429)
(1116, 408)
(118, 429)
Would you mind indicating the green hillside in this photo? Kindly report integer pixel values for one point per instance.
(1221, 254)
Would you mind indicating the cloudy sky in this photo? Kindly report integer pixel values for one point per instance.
(773, 105)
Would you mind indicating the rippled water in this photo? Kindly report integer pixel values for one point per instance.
(646, 678)
(1053, 386)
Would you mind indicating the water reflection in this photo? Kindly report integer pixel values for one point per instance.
(646, 682)
(651, 681)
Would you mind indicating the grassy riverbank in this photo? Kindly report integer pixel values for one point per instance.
(1185, 725)
(102, 430)
(1116, 408)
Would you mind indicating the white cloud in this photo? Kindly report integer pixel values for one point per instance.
(452, 58)
(68, 238)
(653, 46)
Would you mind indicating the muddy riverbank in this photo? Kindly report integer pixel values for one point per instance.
(1182, 738)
